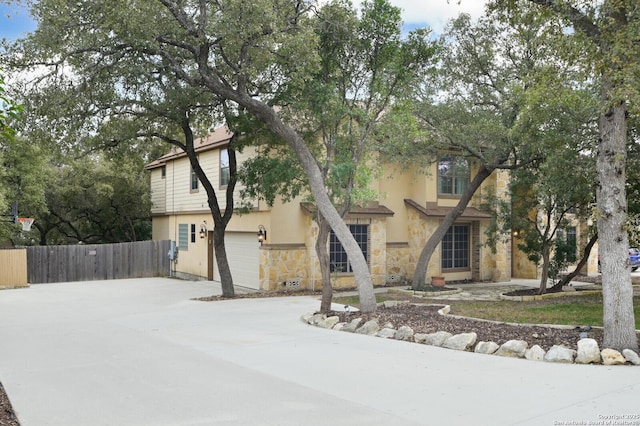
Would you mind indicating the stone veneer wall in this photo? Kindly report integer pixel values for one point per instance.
(399, 260)
(377, 255)
(280, 263)
(523, 267)
(419, 229)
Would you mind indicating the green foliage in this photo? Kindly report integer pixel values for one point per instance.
(96, 200)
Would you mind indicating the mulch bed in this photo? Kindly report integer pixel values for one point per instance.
(7, 415)
(425, 319)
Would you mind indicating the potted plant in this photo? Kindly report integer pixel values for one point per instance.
(437, 281)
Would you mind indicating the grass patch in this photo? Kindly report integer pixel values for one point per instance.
(568, 310)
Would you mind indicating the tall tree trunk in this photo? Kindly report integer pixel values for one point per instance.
(323, 259)
(220, 220)
(617, 292)
(546, 260)
(220, 250)
(423, 261)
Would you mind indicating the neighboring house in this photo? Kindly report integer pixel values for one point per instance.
(391, 231)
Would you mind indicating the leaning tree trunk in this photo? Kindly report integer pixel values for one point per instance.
(316, 183)
(324, 261)
(617, 292)
(585, 258)
(268, 115)
(423, 261)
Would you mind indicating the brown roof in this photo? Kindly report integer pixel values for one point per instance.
(377, 210)
(438, 211)
(218, 138)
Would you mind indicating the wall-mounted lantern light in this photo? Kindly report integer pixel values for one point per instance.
(203, 230)
(262, 234)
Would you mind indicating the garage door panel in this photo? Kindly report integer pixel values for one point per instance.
(243, 256)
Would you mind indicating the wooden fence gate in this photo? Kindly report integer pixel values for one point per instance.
(52, 264)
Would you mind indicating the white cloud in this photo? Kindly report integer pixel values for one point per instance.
(434, 13)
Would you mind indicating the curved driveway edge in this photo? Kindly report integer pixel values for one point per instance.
(140, 352)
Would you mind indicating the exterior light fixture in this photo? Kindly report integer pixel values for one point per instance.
(203, 230)
(262, 234)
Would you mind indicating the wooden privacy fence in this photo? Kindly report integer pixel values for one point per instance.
(51, 264)
(13, 268)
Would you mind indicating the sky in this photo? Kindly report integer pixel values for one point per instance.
(16, 22)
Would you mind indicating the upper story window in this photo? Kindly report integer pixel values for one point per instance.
(453, 175)
(163, 172)
(194, 180)
(224, 167)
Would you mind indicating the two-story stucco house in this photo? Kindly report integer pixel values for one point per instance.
(391, 231)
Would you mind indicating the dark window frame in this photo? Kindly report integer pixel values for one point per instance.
(338, 259)
(455, 248)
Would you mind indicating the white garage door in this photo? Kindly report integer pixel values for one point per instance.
(243, 255)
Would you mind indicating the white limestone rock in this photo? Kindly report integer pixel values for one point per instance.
(390, 303)
(420, 338)
(404, 333)
(486, 347)
(612, 357)
(588, 352)
(631, 356)
(317, 319)
(513, 348)
(329, 322)
(535, 353)
(461, 342)
(353, 325)
(339, 326)
(388, 325)
(307, 318)
(387, 333)
(369, 328)
(437, 338)
(559, 353)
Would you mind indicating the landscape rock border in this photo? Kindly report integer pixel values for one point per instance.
(588, 351)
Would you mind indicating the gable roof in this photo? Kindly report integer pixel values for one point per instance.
(220, 137)
(373, 210)
(432, 210)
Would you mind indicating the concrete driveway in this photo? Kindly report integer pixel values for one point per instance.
(140, 352)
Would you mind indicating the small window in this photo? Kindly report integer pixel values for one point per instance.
(194, 180)
(224, 167)
(339, 262)
(163, 172)
(193, 233)
(183, 236)
(453, 175)
(455, 248)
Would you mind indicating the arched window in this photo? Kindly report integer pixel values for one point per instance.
(453, 175)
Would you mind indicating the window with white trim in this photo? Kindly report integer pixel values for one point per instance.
(183, 236)
(224, 167)
(453, 175)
